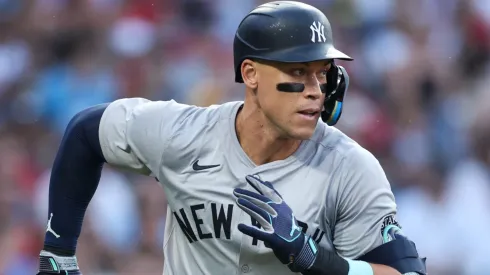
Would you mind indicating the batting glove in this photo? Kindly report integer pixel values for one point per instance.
(50, 264)
(279, 228)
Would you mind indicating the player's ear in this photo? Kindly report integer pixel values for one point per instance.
(249, 73)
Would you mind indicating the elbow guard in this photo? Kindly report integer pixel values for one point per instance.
(400, 254)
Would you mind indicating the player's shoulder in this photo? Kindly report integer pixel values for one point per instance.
(170, 111)
(358, 170)
(335, 143)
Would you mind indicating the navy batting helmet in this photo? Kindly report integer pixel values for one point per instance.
(284, 31)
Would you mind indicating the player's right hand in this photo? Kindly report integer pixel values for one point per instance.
(50, 263)
(279, 228)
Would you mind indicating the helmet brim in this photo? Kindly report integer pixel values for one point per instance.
(304, 53)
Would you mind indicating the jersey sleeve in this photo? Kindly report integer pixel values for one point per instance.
(365, 205)
(134, 132)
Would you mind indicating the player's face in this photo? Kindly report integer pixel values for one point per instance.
(294, 114)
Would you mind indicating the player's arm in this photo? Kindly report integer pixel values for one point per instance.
(292, 247)
(366, 233)
(128, 133)
(74, 178)
(367, 238)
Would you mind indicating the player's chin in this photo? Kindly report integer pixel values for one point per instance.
(302, 132)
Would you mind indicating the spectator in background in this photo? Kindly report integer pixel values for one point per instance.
(74, 80)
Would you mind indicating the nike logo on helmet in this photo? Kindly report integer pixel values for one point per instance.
(198, 167)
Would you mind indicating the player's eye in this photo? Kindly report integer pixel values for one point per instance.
(322, 75)
(298, 72)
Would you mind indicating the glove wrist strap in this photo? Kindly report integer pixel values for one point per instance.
(306, 257)
(49, 262)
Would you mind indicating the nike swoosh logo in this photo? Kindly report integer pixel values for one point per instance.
(198, 167)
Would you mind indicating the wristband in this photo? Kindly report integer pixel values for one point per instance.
(359, 268)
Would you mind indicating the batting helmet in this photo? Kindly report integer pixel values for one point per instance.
(284, 31)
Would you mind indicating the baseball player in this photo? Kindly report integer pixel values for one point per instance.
(261, 186)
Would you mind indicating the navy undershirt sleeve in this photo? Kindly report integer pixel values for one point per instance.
(74, 178)
(328, 262)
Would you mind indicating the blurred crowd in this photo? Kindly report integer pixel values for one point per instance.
(419, 99)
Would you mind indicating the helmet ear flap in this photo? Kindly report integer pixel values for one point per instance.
(336, 87)
(332, 79)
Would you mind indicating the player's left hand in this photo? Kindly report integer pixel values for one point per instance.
(279, 228)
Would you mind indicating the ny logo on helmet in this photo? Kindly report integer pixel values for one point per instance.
(318, 29)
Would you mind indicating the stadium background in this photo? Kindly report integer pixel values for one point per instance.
(419, 100)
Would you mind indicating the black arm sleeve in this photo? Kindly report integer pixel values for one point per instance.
(74, 178)
(328, 262)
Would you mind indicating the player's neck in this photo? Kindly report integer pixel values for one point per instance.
(259, 140)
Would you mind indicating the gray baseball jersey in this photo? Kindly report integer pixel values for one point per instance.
(337, 190)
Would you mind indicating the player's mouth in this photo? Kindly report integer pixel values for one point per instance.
(310, 113)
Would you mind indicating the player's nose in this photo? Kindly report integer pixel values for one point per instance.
(312, 89)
